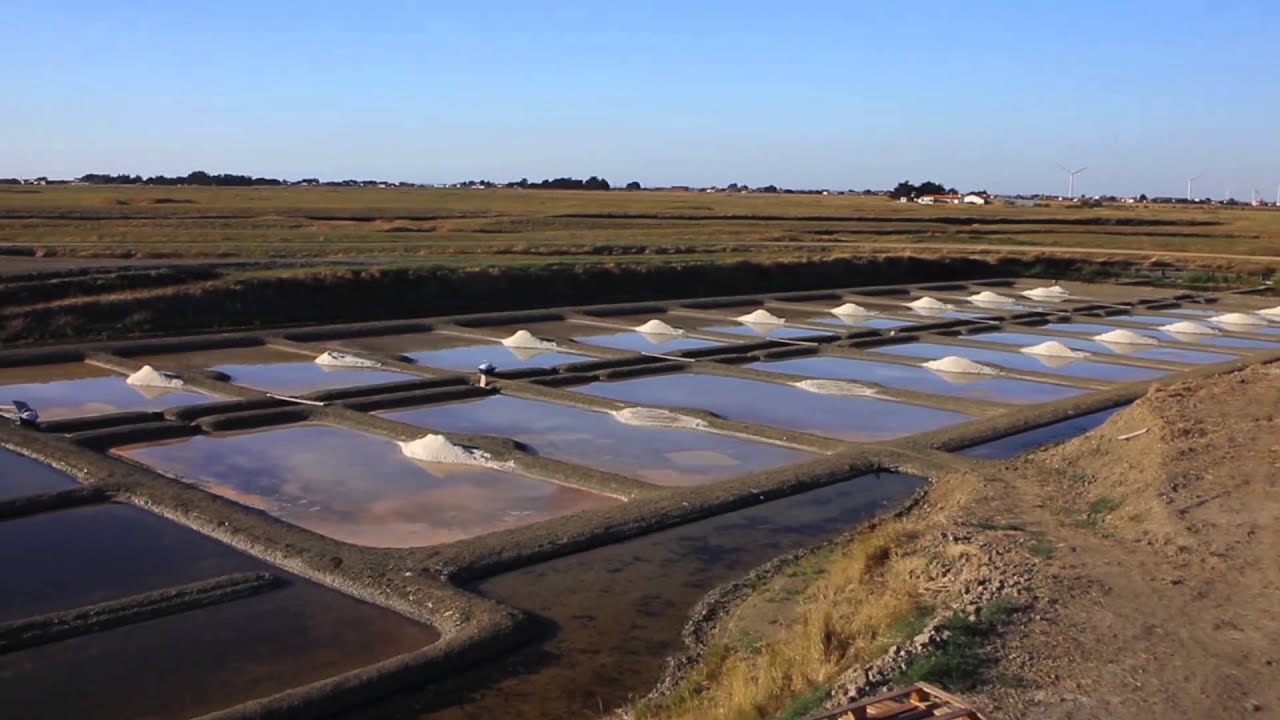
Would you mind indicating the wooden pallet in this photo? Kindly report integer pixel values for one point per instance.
(921, 701)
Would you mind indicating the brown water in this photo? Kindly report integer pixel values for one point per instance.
(68, 390)
(858, 419)
(614, 614)
(358, 487)
(181, 665)
(21, 475)
(658, 455)
(277, 371)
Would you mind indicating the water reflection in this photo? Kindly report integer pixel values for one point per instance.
(629, 603)
(658, 455)
(910, 377)
(860, 419)
(80, 390)
(182, 665)
(359, 488)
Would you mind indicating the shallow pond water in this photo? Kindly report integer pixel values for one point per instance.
(1140, 352)
(910, 377)
(1014, 445)
(449, 352)
(858, 419)
(658, 455)
(1225, 341)
(609, 636)
(181, 665)
(1014, 360)
(277, 371)
(643, 342)
(358, 487)
(69, 390)
(21, 475)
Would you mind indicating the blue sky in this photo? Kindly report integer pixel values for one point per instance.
(805, 94)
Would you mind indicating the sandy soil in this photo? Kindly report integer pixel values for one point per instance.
(1157, 587)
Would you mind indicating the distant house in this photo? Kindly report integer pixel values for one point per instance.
(940, 199)
(976, 199)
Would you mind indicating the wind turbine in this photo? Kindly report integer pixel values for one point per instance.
(1191, 183)
(1071, 179)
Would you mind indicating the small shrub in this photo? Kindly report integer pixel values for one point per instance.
(1042, 546)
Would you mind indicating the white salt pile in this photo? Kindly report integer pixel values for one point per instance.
(526, 339)
(851, 309)
(655, 417)
(834, 387)
(928, 303)
(986, 296)
(1237, 319)
(1272, 313)
(333, 358)
(657, 327)
(1053, 348)
(1125, 337)
(438, 449)
(1051, 292)
(957, 364)
(1186, 327)
(147, 376)
(760, 317)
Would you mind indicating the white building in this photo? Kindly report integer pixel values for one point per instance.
(975, 199)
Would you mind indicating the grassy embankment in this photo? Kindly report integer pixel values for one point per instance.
(473, 228)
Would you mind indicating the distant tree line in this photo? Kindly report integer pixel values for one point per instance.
(905, 189)
(565, 183)
(199, 177)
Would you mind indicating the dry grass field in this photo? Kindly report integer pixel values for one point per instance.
(477, 228)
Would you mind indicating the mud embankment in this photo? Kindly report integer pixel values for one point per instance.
(381, 294)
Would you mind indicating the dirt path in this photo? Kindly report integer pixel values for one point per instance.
(1158, 590)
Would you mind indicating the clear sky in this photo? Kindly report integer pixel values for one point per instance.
(804, 94)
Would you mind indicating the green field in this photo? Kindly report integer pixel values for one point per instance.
(476, 228)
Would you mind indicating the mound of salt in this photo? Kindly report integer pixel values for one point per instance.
(957, 364)
(986, 296)
(1272, 313)
(655, 417)
(1237, 319)
(526, 339)
(834, 387)
(760, 317)
(1125, 337)
(851, 309)
(438, 449)
(147, 376)
(333, 358)
(928, 303)
(1050, 292)
(1053, 348)
(657, 327)
(1186, 327)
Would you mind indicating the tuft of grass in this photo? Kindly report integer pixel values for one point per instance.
(913, 624)
(993, 525)
(1099, 509)
(863, 597)
(1042, 546)
(961, 662)
(805, 703)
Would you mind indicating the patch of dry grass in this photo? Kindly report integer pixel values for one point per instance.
(870, 595)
